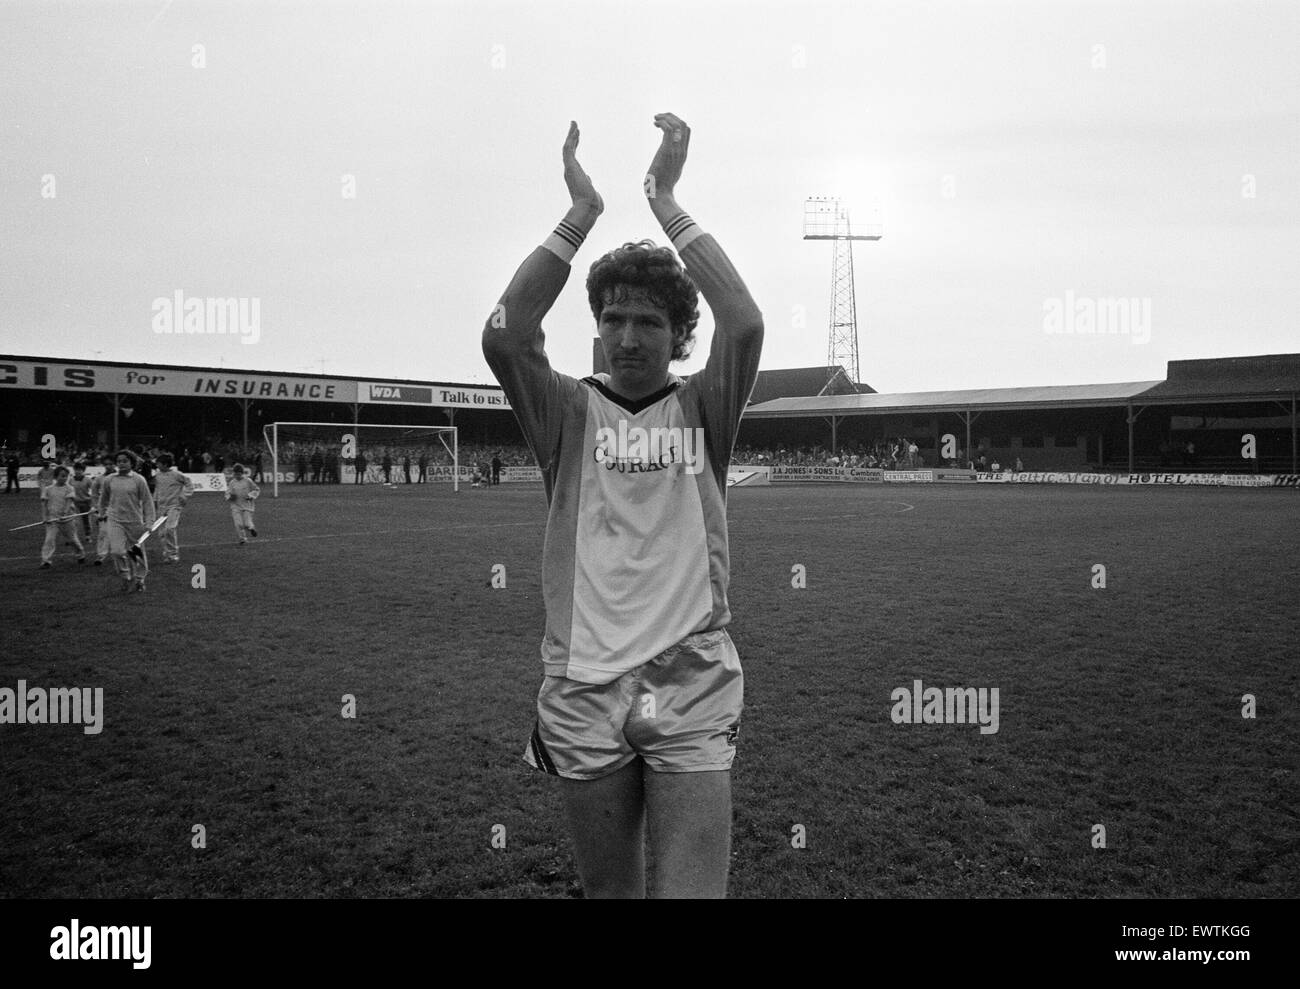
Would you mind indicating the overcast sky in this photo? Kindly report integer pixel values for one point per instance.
(1017, 151)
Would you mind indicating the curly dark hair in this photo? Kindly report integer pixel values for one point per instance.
(657, 272)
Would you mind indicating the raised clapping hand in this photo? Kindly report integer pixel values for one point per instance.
(666, 168)
(582, 192)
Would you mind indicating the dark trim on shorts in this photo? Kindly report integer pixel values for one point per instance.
(540, 755)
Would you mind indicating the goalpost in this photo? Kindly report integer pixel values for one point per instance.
(330, 453)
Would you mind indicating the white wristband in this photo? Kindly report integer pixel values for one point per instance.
(681, 230)
(565, 241)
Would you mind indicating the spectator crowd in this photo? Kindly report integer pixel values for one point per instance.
(890, 453)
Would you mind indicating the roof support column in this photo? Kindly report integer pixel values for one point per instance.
(969, 417)
(116, 400)
(1132, 418)
(244, 403)
(834, 421)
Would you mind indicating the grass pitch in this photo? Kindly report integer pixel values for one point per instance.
(1119, 707)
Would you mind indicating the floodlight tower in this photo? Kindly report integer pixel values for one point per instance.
(828, 219)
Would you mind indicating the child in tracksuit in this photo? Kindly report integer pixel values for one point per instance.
(126, 507)
(81, 497)
(171, 491)
(241, 492)
(57, 507)
(99, 530)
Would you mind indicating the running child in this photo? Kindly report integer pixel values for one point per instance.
(241, 492)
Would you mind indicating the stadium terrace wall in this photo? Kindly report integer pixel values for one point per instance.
(823, 473)
(1135, 478)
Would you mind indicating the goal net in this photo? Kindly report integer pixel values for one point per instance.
(342, 453)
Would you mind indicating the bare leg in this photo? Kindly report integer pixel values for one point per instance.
(690, 833)
(607, 824)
